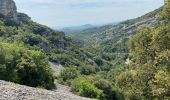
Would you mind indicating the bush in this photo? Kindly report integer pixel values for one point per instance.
(84, 88)
(125, 82)
(107, 88)
(95, 87)
(68, 74)
(87, 70)
(21, 65)
(98, 61)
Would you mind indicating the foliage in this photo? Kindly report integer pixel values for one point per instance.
(160, 85)
(147, 77)
(84, 88)
(87, 70)
(102, 60)
(67, 75)
(24, 66)
(166, 11)
(106, 88)
(150, 51)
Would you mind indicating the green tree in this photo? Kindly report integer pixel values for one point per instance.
(166, 11)
(87, 70)
(28, 67)
(68, 74)
(84, 88)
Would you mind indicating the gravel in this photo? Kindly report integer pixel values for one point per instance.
(12, 91)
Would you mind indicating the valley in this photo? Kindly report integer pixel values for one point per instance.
(128, 60)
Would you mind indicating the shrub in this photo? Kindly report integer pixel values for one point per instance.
(21, 65)
(84, 88)
(107, 88)
(98, 61)
(68, 74)
(87, 70)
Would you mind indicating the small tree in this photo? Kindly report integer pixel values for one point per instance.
(84, 88)
(68, 74)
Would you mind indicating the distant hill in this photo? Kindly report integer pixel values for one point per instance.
(113, 33)
(111, 41)
(74, 29)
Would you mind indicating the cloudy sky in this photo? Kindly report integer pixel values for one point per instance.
(61, 13)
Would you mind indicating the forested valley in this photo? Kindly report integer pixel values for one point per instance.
(126, 61)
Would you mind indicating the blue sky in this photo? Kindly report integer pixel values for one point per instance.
(63, 13)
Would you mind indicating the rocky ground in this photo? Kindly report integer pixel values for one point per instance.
(11, 91)
(56, 68)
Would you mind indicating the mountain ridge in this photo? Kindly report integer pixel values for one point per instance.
(105, 33)
(71, 30)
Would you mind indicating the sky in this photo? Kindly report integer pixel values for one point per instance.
(64, 13)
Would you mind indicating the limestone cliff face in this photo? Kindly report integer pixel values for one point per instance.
(8, 9)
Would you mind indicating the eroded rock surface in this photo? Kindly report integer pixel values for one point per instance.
(8, 9)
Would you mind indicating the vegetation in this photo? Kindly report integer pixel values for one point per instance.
(84, 88)
(28, 67)
(128, 62)
(144, 76)
(67, 75)
(148, 76)
(94, 87)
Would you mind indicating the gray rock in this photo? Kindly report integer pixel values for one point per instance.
(23, 17)
(11, 91)
(8, 9)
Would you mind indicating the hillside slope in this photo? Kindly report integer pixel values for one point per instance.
(113, 33)
(11, 91)
(18, 27)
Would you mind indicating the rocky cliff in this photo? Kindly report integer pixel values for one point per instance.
(8, 10)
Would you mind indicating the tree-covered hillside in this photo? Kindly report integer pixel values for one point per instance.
(139, 52)
(149, 72)
(18, 28)
(112, 33)
(55, 44)
(127, 61)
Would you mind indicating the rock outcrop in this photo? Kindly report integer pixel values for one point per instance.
(23, 17)
(8, 9)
